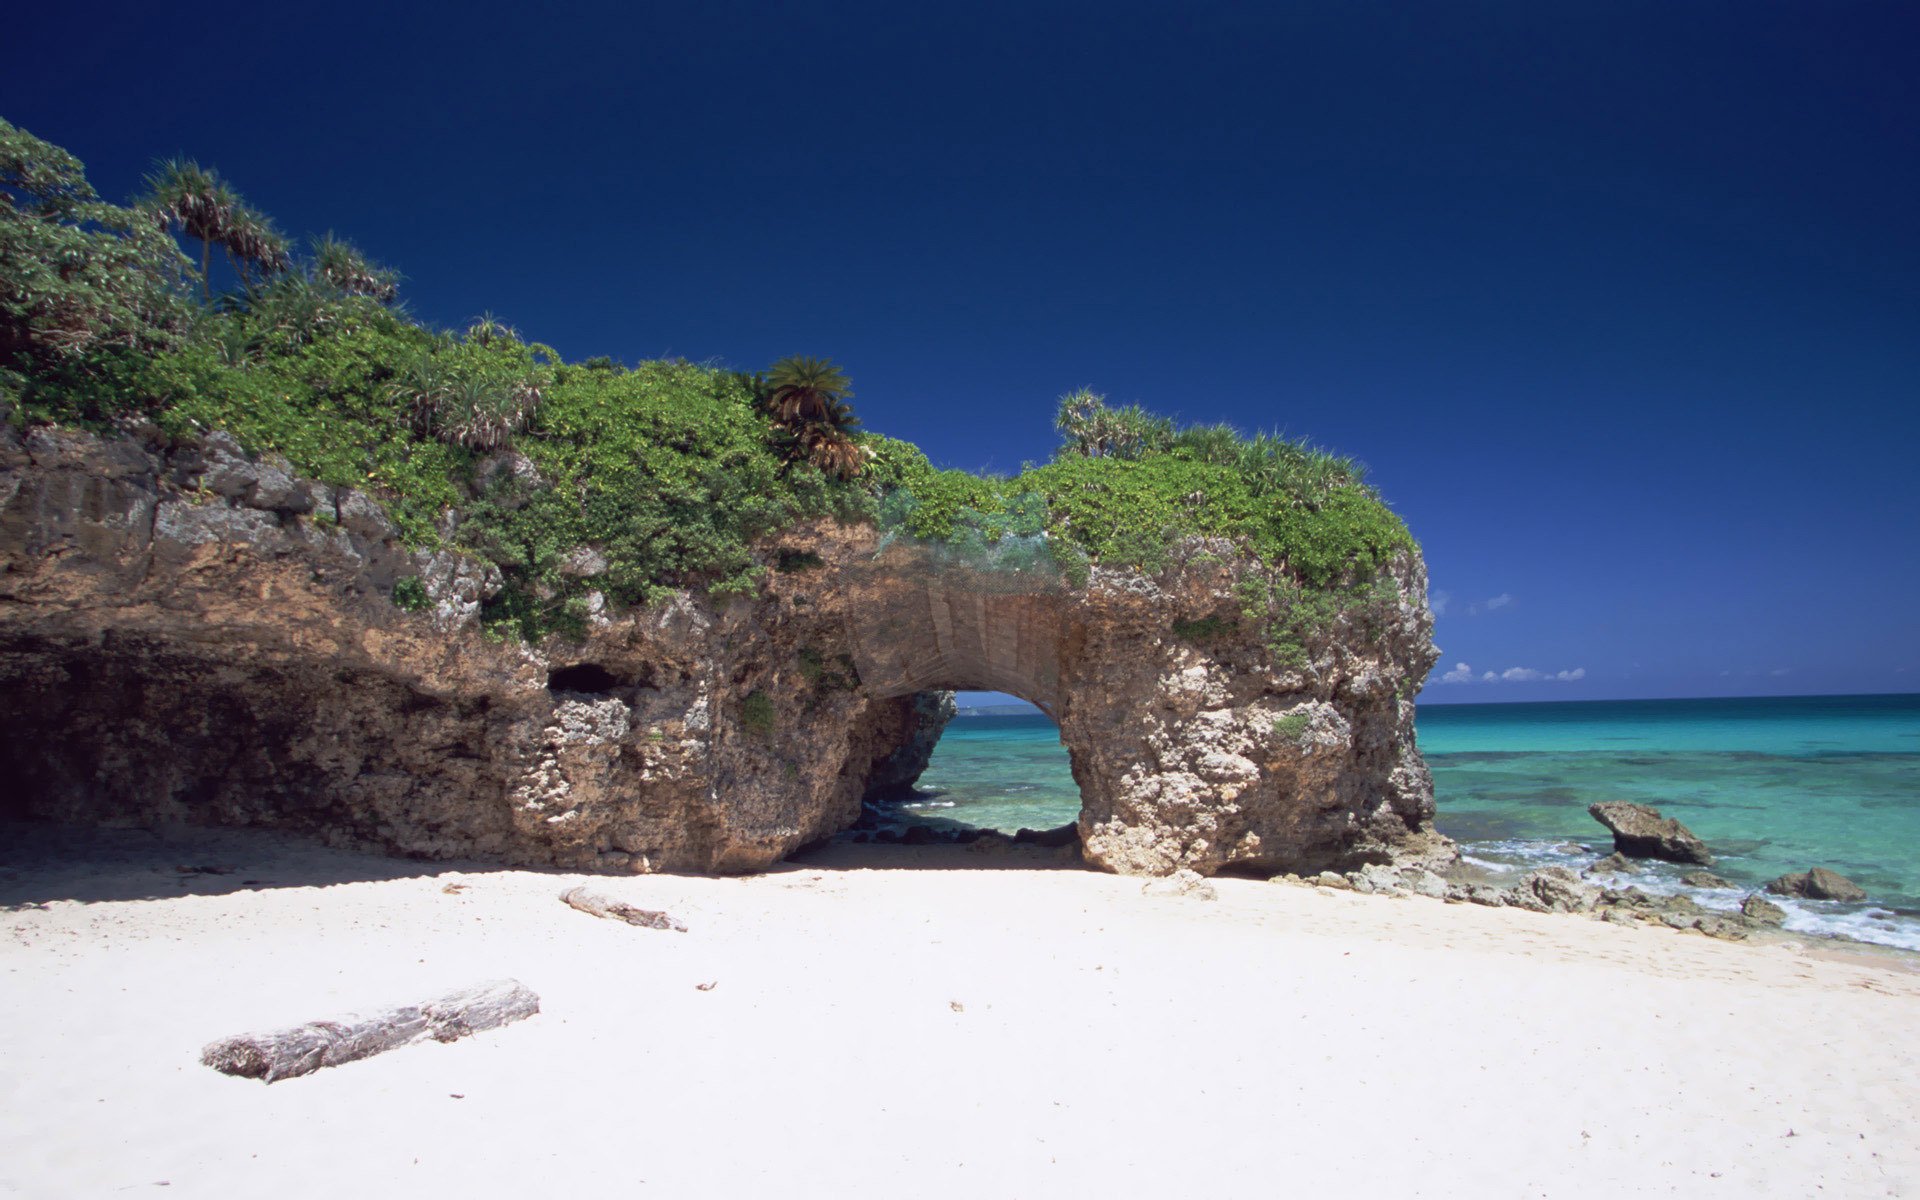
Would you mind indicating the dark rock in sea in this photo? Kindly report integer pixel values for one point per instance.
(918, 835)
(1573, 848)
(1613, 864)
(1704, 879)
(1554, 889)
(1641, 832)
(1817, 884)
(887, 837)
(1065, 835)
(1759, 909)
(919, 727)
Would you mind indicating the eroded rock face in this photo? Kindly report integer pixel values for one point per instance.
(191, 635)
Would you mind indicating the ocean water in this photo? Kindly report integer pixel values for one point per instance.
(1773, 785)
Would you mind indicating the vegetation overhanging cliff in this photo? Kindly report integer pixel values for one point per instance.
(672, 470)
(596, 489)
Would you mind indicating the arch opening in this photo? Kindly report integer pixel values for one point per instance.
(998, 767)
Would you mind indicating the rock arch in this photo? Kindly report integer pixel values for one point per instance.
(189, 634)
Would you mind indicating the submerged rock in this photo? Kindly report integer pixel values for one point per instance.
(1641, 832)
(1613, 864)
(1704, 879)
(1817, 884)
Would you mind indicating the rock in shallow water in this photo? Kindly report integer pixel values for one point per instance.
(1762, 910)
(1613, 864)
(1641, 832)
(1817, 884)
(1704, 879)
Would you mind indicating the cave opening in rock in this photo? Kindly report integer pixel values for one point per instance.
(587, 678)
(999, 765)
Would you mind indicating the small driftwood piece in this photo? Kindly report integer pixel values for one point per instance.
(596, 905)
(303, 1049)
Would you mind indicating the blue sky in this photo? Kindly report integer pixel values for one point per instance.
(1620, 301)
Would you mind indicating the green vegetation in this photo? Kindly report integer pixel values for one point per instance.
(756, 714)
(1290, 727)
(1206, 629)
(411, 594)
(674, 473)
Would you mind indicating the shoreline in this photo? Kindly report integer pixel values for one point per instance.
(920, 1020)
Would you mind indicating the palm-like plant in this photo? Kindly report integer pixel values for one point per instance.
(464, 403)
(803, 389)
(830, 444)
(186, 197)
(340, 265)
(807, 399)
(252, 243)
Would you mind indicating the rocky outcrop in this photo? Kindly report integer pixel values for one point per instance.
(1817, 884)
(1641, 832)
(188, 634)
(916, 729)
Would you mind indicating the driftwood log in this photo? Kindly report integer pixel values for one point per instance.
(594, 904)
(304, 1049)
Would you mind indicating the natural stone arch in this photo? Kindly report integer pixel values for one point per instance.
(690, 735)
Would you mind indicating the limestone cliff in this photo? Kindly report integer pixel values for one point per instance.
(190, 635)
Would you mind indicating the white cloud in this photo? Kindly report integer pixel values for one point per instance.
(1494, 604)
(1462, 673)
(1438, 602)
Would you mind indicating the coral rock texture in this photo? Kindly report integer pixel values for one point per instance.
(188, 634)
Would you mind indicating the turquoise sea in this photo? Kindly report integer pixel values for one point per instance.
(1772, 784)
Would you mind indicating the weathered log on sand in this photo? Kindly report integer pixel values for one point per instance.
(594, 904)
(304, 1049)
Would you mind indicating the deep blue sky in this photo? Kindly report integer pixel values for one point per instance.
(1620, 301)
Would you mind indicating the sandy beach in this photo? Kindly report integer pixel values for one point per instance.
(930, 1021)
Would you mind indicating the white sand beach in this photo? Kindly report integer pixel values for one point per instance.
(919, 1022)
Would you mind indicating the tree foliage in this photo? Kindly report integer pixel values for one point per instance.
(674, 474)
(77, 276)
(808, 401)
(184, 197)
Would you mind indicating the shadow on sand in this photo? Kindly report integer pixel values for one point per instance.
(42, 862)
